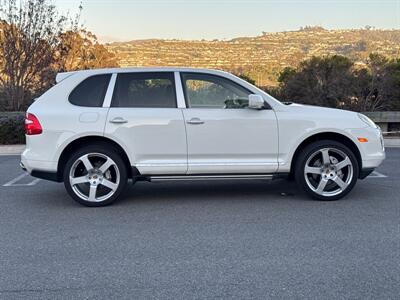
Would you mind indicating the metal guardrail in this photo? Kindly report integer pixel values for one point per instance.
(384, 116)
(391, 133)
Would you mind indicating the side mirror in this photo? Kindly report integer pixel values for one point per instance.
(256, 101)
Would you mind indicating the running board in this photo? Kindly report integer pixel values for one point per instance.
(207, 177)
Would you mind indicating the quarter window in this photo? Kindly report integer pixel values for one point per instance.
(210, 91)
(91, 91)
(144, 90)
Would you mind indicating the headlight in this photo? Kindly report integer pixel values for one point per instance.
(367, 120)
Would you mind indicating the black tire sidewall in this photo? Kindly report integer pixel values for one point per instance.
(312, 148)
(107, 150)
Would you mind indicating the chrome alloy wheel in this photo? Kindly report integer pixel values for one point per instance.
(94, 177)
(328, 172)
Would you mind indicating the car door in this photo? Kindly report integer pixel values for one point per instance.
(223, 134)
(144, 117)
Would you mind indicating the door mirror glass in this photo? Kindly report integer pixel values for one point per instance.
(256, 101)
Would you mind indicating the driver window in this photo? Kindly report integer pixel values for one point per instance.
(210, 91)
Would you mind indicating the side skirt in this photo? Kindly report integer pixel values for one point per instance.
(203, 177)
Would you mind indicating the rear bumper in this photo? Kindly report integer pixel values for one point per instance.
(30, 162)
(38, 168)
(21, 164)
(365, 172)
(47, 175)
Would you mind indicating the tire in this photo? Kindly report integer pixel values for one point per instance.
(326, 170)
(95, 175)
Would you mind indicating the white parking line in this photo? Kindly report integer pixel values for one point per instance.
(376, 174)
(18, 178)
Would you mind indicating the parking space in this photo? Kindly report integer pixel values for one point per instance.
(200, 239)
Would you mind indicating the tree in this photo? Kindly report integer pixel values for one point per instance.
(79, 50)
(247, 78)
(391, 85)
(378, 84)
(286, 74)
(336, 81)
(30, 31)
(36, 42)
(386, 79)
(325, 81)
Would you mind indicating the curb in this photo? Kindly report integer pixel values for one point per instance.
(392, 143)
(11, 149)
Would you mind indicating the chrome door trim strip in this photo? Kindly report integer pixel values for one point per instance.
(209, 177)
(207, 164)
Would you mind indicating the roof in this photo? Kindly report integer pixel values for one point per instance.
(62, 75)
(86, 73)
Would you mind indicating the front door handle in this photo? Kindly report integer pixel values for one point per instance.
(195, 121)
(118, 120)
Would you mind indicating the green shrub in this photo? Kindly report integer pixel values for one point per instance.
(12, 128)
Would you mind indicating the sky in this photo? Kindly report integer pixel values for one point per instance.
(124, 20)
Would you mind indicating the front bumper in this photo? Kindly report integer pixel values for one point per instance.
(373, 151)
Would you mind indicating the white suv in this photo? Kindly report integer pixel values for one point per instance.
(96, 129)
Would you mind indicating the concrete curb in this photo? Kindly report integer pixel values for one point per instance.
(392, 142)
(11, 149)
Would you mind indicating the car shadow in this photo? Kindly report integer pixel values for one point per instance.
(227, 190)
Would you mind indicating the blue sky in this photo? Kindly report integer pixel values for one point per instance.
(225, 19)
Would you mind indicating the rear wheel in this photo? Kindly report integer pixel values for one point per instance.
(327, 170)
(95, 175)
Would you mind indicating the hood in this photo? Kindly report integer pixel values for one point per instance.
(320, 110)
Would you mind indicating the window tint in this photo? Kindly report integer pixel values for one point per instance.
(91, 91)
(144, 90)
(209, 91)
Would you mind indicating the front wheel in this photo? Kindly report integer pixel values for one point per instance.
(95, 175)
(327, 170)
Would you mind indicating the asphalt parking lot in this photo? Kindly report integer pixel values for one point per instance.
(241, 239)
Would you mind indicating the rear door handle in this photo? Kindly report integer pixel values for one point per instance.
(118, 120)
(195, 121)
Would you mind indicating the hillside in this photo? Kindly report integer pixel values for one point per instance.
(261, 57)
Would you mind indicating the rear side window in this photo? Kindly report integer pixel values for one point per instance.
(91, 91)
(149, 89)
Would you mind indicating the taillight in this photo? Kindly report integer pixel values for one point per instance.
(32, 125)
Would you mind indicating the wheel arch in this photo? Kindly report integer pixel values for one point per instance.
(334, 136)
(82, 141)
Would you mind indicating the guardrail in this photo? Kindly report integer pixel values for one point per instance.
(384, 116)
(388, 121)
(391, 133)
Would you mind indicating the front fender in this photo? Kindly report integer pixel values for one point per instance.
(290, 144)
